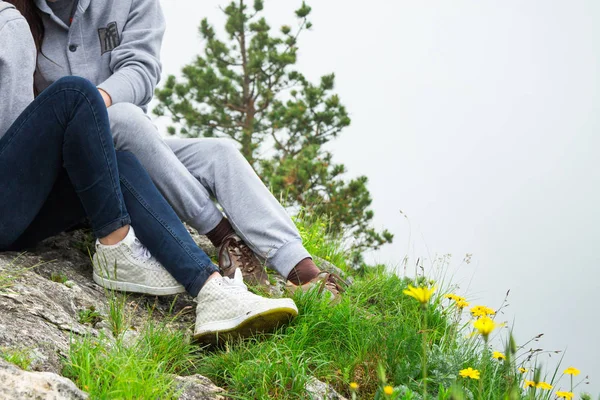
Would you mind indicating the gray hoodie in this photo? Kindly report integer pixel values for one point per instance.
(113, 43)
(17, 65)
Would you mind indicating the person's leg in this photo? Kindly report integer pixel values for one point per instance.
(255, 214)
(61, 128)
(155, 223)
(61, 211)
(133, 131)
(160, 229)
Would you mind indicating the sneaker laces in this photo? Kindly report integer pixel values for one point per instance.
(235, 283)
(140, 251)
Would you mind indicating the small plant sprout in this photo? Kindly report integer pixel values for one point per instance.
(58, 277)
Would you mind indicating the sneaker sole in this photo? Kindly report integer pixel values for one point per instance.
(246, 325)
(137, 288)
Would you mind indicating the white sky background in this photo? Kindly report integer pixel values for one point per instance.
(479, 120)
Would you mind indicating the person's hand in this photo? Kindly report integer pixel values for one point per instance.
(106, 97)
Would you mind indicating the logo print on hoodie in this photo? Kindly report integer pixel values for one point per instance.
(109, 37)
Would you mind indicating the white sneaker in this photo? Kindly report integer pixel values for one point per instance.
(128, 266)
(227, 309)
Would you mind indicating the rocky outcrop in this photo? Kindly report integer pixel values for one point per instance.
(19, 384)
(48, 298)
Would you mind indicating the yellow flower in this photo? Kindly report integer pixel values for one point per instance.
(469, 373)
(482, 311)
(455, 297)
(461, 304)
(485, 326)
(388, 390)
(353, 385)
(498, 356)
(565, 395)
(544, 385)
(529, 384)
(422, 294)
(572, 371)
(523, 370)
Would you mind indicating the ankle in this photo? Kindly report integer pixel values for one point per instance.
(220, 232)
(305, 271)
(115, 237)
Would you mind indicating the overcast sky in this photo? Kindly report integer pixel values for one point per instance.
(479, 120)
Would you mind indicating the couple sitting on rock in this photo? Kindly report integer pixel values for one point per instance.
(59, 167)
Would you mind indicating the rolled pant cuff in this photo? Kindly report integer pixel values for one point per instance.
(206, 220)
(112, 226)
(199, 282)
(287, 257)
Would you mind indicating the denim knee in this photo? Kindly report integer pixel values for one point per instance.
(78, 83)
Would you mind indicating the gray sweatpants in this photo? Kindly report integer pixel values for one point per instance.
(189, 171)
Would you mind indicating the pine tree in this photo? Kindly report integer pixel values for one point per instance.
(246, 89)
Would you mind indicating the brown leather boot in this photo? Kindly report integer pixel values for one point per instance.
(234, 253)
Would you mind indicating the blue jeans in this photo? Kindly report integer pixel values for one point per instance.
(58, 165)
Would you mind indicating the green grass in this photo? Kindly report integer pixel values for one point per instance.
(377, 337)
(89, 316)
(113, 368)
(19, 357)
(318, 242)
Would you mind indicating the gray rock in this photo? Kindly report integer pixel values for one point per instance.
(317, 390)
(19, 384)
(197, 387)
(42, 316)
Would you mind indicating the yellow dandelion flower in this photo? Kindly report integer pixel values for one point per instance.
(422, 294)
(498, 356)
(523, 370)
(565, 395)
(388, 390)
(460, 304)
(572, 371)
(544, 385)
(485, 326)
(482, 311)
(529, 384)
(353, 385)
(469, 373)
(454, 297)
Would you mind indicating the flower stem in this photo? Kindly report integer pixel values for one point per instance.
(424, 358)
(485, 359)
